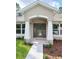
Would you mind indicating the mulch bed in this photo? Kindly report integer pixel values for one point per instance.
(56, 51)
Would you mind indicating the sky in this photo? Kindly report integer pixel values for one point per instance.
(54, 3)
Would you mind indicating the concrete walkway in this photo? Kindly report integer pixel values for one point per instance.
(36, 52)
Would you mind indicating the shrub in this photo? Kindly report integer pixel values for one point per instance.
(50, 45)
(21, 38)
(18, 38)
(45, 46)
(45, 56)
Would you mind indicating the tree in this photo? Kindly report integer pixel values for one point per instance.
(60, 10)
(17, 7)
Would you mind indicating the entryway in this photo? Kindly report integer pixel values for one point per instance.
(39, 30)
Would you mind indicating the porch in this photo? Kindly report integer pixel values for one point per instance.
(39, 29)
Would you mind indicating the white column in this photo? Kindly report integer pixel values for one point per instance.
(27, 30)
(59, 29)
(50, 31)
(21, 30)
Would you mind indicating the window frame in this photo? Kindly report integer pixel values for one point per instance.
(56, 29)
(21, 28)
(18, 29)
(59, 28)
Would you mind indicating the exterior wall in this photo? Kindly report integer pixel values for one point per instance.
(39, 10)
(58, 17)
(20, 18)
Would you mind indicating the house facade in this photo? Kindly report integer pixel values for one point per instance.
(39, 22)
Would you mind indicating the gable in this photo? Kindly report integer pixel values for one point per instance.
(38, 3)
(39, 10)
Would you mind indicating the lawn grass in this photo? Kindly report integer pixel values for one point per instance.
(21, 49)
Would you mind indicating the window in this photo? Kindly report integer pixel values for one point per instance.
(23, 31)
(60, 29)
(23, 25)
(18, 31)
(18, 14)
(23, 28)
(20, 28)
(18, 25)
(60, 25)
(55, 29)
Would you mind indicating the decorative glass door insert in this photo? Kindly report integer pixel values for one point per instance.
(39, 30)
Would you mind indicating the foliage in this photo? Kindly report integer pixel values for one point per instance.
(60, 10)
(17, 7)
(48, 46)
(45, 56)
(20, 38)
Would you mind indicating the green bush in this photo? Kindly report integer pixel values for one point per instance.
(21, 38)
(45, 46)
(45, 56)
(18, 38)
(50, 45)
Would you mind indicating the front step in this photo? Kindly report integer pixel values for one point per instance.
(39, 41)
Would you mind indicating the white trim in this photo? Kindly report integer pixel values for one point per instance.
(50, 31)
(20, 22)
(41, 16)
(57, 22)
(19, 35)
(21, 28)
(59, 28)
(27, 30)
(57, 37)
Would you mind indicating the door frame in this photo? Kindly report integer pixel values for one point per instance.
(45, 30)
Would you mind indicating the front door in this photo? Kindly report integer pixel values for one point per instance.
(39, 30)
